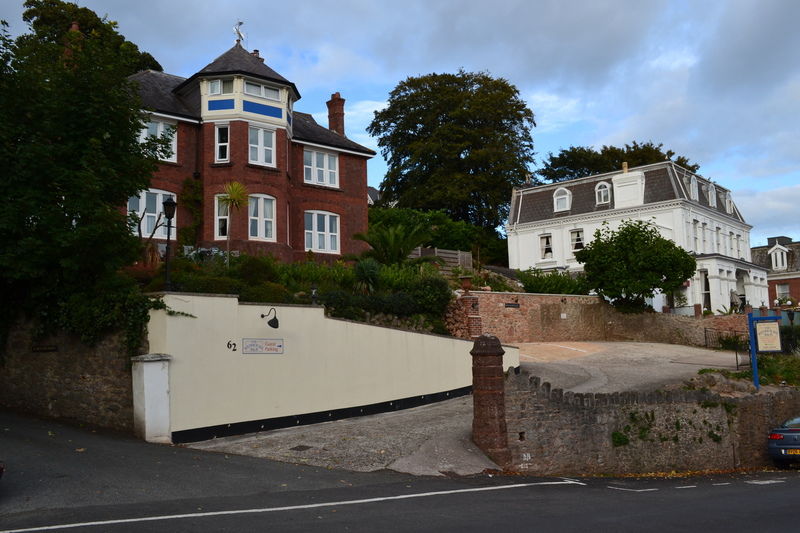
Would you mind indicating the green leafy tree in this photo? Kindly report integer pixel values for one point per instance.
(633, 262)
(234, 197)
(582, 161)
(52, 19)
(456, 142)
(391, 244)
(71, 159)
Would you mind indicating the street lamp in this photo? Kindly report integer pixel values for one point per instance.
(169, 206)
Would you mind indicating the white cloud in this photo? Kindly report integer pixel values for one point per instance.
(771, 213)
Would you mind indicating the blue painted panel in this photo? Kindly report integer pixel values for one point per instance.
(289, 118)
(262, 109)
(215, 105)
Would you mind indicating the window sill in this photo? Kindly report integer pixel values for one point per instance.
(259, 239)
(325, 187)
(262, 167)
(326, 252)
(169, 163)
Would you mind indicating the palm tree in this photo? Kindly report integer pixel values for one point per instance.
(234, 197)
(391, 244)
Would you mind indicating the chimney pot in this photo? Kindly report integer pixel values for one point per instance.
(624, 167)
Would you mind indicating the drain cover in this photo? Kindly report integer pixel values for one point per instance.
(301, 448)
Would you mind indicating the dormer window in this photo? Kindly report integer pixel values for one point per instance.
(712, 196)
(778, 256)
(262, 91)
(728, 203)
(220, 87)
(602, 193)
(693, 189)
(562, 200)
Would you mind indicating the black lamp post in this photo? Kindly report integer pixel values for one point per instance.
(169, 213)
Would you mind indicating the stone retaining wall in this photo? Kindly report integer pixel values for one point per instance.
(524, 317)
(60, 377)
(557, 432)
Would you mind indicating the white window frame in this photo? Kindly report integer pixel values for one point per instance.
(325, 175)
(782, 290)
(712, 196)
(162, 127)
(260, 90)
(219, 217)
(693, 188)
(218, 144)
(260, 146)
(217, 87)
(728, 203)
(326, 240)
(153, 217)
(260, 218)
(545, 243)
(602, 193)
(562, 193)
(778, 258)
(575, 239)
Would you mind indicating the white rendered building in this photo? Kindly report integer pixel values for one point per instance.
(549, 223)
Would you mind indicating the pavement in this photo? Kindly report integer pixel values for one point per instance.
(434, 440)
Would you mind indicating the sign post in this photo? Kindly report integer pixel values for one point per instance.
(764, 337)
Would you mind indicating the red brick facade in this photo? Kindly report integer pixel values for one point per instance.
(284, 182)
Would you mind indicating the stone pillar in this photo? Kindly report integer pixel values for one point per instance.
(488, 399)
(698, 310)
(151, 420)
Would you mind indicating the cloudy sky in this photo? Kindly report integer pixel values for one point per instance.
(715, 80)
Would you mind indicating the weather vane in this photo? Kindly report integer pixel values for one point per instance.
(238, 31)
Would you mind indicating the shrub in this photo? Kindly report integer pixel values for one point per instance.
(536, 281)
(255, 270)
(267, 292)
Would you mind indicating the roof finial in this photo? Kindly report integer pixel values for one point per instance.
(237, 30)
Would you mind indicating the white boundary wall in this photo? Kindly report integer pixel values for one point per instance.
(325, 363)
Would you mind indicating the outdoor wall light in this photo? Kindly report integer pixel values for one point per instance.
(314, 294)
(272, 322)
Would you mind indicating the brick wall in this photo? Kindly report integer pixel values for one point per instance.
(523, 317)
(555, 432)
(59, 377)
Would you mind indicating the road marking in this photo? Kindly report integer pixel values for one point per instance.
(765, 482)
(687, 487)
(609, 486)
(720, 484)
(290, 507)
(568, 348)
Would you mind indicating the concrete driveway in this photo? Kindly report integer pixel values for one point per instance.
(619, 366)
(436, 439)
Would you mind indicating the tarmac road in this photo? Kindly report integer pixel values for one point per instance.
(434, 440)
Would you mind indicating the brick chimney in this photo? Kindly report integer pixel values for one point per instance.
(336, 113)
(255, 53)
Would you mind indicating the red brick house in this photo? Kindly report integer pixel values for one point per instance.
(781, 257)
(234, 120)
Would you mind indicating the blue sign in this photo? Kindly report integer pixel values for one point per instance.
(768, 328)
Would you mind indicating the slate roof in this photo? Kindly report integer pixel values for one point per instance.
(761, 256)
(156, 89)
(305, 128)
(162, 93)
(237, 60)
(663, 182)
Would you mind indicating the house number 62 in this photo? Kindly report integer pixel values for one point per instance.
(232, 346)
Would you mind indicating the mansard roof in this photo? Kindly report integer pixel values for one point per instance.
(156, 90)
(237, 60)
(305, 128)
(760, 254)
(662, 182)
